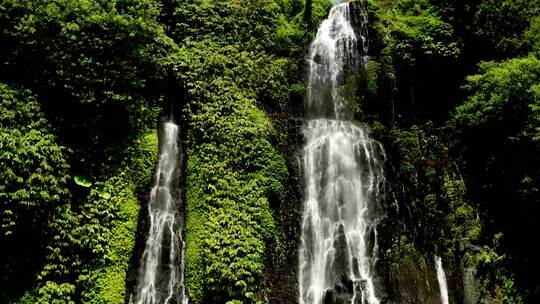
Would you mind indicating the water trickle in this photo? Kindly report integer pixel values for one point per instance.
(161, 277)
(441, 278)
(343, 170)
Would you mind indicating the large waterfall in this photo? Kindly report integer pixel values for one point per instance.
(161, 278)
(343, 169)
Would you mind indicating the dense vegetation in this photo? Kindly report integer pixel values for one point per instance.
(452, 89)
(464, 148)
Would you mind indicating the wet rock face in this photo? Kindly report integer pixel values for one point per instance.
(342, 286)
(282, 265)
(471, 294)
(412, 282)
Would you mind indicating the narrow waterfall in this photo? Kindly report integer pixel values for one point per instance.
(343, 171)
(441, 278)
(161, 277)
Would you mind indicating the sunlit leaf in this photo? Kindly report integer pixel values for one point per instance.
(82, 181)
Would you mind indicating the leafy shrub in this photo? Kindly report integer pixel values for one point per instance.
(98, 67)
(233, 171)
(93, 241)
(499, 125)
(32, 165)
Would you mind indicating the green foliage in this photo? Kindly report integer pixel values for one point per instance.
(423, 49)
(499, 125)
(504, 93)
(412, 31)
(408, 146)
(462, 225)
(411, 44)
(532, 35)
(99, 67)
(82, 181)
(27, 298)
(228, 22)
(401, 250)
(505, 96)
(106, 282)
(233, 171)
(275, 26)
(102, 70)
(508, 291)
(254, 71)
(93, 241)
(56, 293)
(439, 197)
(33, 167)
(497, 283)
(409, 272)
(505, 25)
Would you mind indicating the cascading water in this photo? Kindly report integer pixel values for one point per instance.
(161, 277)
(343, 169)
(441, 278)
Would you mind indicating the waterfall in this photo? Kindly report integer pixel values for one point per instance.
(161, 277)
(441, 278)
(343, 172)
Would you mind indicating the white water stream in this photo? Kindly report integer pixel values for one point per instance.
(343, 172)
(441, 278)
(161, 277)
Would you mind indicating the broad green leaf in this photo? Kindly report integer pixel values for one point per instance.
(104, 193)
(82, 181)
